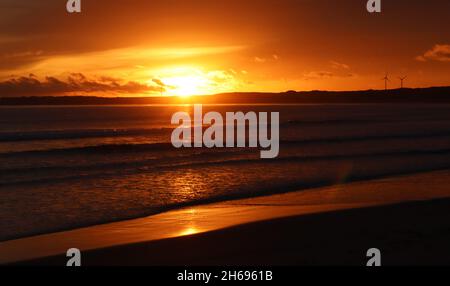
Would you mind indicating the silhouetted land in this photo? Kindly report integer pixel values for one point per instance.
(421, 95)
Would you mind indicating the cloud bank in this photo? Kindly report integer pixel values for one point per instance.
(74, 84)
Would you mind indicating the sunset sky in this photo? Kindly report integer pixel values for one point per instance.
(182, 47)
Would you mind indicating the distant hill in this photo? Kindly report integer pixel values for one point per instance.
(406, 95)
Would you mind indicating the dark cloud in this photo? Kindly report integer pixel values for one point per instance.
(76, 83)
(161, 84)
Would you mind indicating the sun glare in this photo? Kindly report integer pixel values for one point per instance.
(187, 81)
(185, 86)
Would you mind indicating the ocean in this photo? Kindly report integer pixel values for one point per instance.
(64, 167)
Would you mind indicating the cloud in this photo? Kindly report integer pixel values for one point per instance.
(262, 60)
(259, 60)
(440, 53)
(25, 54)
(75, 84)
(161, 84)
(221, 77)
(338, 65)
(318, 75)
(135, 63)
(340, 70)
(312, 75)
(14, 60)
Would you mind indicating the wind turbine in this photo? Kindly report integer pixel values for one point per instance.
(402, 79)
(386, 79)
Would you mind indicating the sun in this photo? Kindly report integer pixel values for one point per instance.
(187, 85)
(186, 81)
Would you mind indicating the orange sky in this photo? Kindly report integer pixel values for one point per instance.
(180, 47)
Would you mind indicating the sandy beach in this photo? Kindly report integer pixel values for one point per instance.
(405, 217)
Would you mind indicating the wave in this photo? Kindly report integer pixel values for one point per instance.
(362, 121)
(145, 166)
(76, 134)
(117, 132)
(146, 147)
(283, 187)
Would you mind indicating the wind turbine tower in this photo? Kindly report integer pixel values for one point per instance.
(402, 79)
(386, 79)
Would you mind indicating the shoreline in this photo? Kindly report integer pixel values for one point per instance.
(208, 219)
(407, 234)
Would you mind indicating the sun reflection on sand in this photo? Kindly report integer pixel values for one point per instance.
(189, 231)
(191, 216)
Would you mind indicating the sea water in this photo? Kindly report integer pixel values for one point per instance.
(63, 167)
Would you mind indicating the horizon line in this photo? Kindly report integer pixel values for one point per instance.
(224, 93)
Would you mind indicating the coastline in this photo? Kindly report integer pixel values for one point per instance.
(407, 234)
(111, 244)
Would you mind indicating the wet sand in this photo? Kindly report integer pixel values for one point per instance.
(406, 217)
(407, 234)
